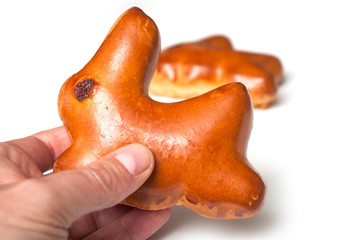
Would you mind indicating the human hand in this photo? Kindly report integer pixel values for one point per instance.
(73, 204)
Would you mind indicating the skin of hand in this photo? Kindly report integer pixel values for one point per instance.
(73, 204)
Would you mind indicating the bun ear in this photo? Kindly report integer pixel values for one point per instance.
(127, 57)
(129, 52)
(218, 41)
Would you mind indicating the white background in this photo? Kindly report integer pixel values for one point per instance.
(306, 146)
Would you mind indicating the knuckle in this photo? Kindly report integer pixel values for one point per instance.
(46, 203)
(10, 152)
(3, 149)
(108, 178)
(7, 149)
(127, 231)
(13, 152)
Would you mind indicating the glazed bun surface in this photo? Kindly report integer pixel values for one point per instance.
(199, 144)
(191, 69)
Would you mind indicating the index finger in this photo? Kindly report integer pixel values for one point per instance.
(44, 148)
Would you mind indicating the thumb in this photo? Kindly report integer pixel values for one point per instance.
(101, 184)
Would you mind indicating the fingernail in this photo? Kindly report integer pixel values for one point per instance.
(136, 158)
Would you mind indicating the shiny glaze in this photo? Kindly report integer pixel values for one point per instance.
(199, 144)
(190, 69)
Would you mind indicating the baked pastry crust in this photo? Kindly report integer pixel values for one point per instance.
(199, 144)
(191, 69)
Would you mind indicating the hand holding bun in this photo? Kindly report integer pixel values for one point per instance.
(199, 144)
(190, 69)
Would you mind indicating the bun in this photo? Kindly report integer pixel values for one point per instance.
(199, 144)
(190, 69)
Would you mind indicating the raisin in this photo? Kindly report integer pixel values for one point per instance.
(84, 89)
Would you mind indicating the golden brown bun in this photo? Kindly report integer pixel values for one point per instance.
(199, 144)
(190, 69)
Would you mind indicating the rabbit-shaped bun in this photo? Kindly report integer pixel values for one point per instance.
(199, 144)
(192, 68)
